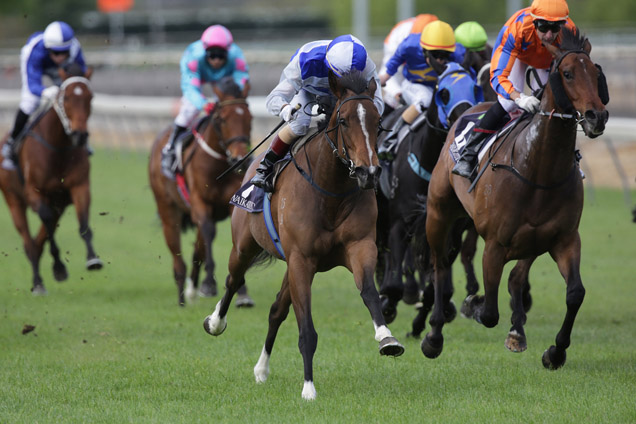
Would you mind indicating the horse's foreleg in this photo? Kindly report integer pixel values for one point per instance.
(171, 225)
(18, 213)
(208, 232)
(81, 197)
(567, 255)
(469, 248)
(487, 312)
(412, 292)
(198, 257)
(517, 284)
(277, 314)
(361, 256)
(392, 286)
(50, 217)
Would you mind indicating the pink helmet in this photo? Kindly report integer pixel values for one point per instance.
(217, 36)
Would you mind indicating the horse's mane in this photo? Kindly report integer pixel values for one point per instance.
(228, 86)
(572, 39)
(354, 81)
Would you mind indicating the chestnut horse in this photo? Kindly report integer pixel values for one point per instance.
(224, 141)
(324, 211)
(527, 202)
(53, 172)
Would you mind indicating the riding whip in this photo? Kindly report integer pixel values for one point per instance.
(244, 158)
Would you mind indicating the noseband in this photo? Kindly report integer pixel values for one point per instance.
(216, 125)
(344, 158)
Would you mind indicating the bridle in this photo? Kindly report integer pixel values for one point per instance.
(224, 144)
(58, 102)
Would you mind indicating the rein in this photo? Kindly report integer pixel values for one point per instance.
(344, 158)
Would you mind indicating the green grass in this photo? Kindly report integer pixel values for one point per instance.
(113, 346)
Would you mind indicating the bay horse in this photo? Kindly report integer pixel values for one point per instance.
(53, 172)
(527, 202)
(324, 212)
(403, 211)
(224, 141)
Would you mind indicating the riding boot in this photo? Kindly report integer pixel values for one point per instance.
(386, 149)
(466, 163)
(168, 154)
(9, 148)
(277, 150)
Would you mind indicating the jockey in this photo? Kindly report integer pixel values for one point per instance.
(209, 59)
(392, 90)
(436, 42)
(43, 54)
(303, 81)
(520, 44)
(470, 36)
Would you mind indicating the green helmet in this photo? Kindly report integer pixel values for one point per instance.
(471, 35)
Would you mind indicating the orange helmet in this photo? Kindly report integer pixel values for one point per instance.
(421, 21)
(549, 10)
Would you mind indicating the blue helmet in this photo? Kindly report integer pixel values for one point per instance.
(58, 36)
(344, 54)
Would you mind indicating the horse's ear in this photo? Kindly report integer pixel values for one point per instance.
(587, 47)
(438, 67)
(217, 91)
(246, 89)
(89, 72)
(333, 84)
(373, 86)
(554, 50)
(62, 73)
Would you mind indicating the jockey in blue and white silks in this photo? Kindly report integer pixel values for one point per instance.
(43, 54)
(303, 81)
(207, 60)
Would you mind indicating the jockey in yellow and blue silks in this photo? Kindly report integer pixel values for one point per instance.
(520, 43)
(303, 80)
(43, 54)
(207, 60)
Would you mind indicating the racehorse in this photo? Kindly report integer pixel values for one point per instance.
(402, 211)
(478, 62)
(324, 211)
(53, 172)
(527, 202)
(200, 199)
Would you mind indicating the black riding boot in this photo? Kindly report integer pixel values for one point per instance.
(9, 149)
(168, 155)
(265, 168)
(466, 164)
(386, 149)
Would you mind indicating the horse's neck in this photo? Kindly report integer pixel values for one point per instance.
(51, 129)
(327, 170)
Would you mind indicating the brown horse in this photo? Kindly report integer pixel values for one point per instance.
(53, 172)
(325, 217)
(528, 202)
(224, 141)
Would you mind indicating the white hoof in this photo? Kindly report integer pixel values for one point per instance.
(213, 324)
(189, 291)
(309, 391)
(261, 369)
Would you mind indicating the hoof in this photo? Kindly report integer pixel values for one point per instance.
(450, 312)
(411, 296)
(389, 346)
(516, 342)
(59, 272)
(39, 290)
(94, 264)
(429, 349)
(244, 301)
(467, 307)
(412, 335)
(215, 329)
(389, 309)
(551, 360)
(207, 291)
(189, 292)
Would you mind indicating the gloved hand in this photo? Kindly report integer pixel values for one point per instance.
(208, 108)
(528, 103)
(50, 92)
(286, 113)
(383, 77)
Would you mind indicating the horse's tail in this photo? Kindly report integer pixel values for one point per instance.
(263, 259)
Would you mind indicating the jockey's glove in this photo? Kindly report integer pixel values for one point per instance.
(50, 92)
(209, 108)
(528, 103)
(286, 113)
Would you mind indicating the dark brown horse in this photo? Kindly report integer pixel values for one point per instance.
(528, 202)
(324, 211)
(54, 172)
(224, 141)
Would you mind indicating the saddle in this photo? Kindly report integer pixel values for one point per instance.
(185, 139)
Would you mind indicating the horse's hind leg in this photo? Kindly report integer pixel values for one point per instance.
(277, 314)
(208, 232)
(81, 197)
(198, 257)
(361, 257)
(518, 287)
(568, 257)
(469, 248)
(171, 224)
(50, 218)
(392, 286)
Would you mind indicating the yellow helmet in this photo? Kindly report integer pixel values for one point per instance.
(438, 35)
(549, 10)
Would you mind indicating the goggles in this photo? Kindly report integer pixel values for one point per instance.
(441, 55)
(59, 53)
(545, 26)
(216, 53)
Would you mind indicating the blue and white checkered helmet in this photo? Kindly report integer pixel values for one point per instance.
(58, 36)
(344, 54)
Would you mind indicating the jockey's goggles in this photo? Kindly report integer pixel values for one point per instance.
(441, 55)
(216, 53)
(545, 26)
(59, 53)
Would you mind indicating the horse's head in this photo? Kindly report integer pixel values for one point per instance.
(353, 127)
(577, 85)
(478, 64)
(232, 121)
(73, 103)
(456, 92)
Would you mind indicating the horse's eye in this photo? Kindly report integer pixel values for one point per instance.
(342, 121)
(567, 75)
